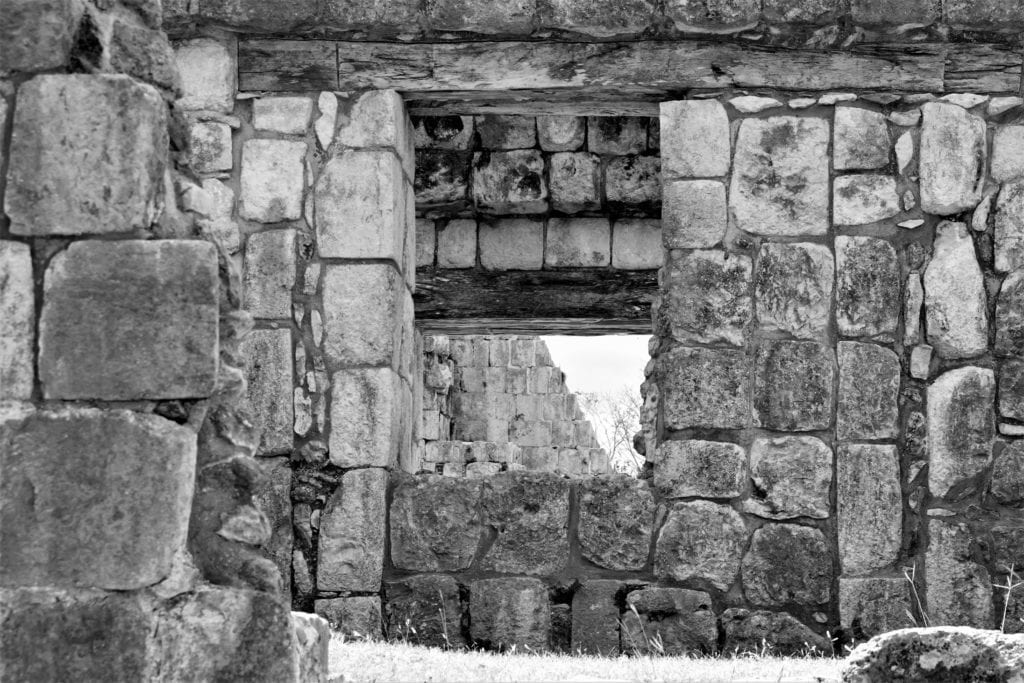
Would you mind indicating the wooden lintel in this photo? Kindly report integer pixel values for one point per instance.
(572, 327)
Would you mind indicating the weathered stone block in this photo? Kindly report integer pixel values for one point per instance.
(780, 176)
(715, 14)
(705, 388)
(955, 300)
(268, 370)
(578, 242)
(958, 590)
(575, 181)
(530, 513)
(869, 385)
(435, 523)
(889, 13)
(77, 138)
(208, 71)
(442, 177)
(754, 631)
(149, 333)
(37, 35)
(426, 242)
(351, 551)
(366, 417)
(511, 244)
(17, 321)
(510, 182)
(637, 244)
(616, 521)
(273, 497)
(1009, 226)
(870, 507)
(633, 182)
(961, 427)
(561, 133)
(786, 564)
(913, 303)
(952, 158)
(273, 183)
(424, 609)
(793, 288)
(1007, 484)
(600, 19)
(112, 519)
(443, 132)
(867, 287)
(860, 139)
(792, 477)
(681, 620)
(616, 134)
(694, 139)
(287, 115)
(270, 273)
(506, 613)
(216, 223)
(1007, 158)
(456, 244)
(701, 540)
(378, 119)
(708, 297)
(363, 324)
(864, 198)
(499, 131)
(693, 213)
(355, 617)
(210, 144)
(709, 469)
(794, 386)
(312, 646)
(595, 617)
(1010, 316)
(1011, 389)
(869, 607)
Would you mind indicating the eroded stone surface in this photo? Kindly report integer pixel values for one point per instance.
(1007, 154)
(1007, 484)
(959, 590)
(268, 371)
(351, 551)
(785, 564)
(709, 469)
(708, 297)
(694, 139)
(506, 132)
(868, 607)
(681, 620)
(530, 513)
(693, 213)
(366, 417)
(424, 610)
(869, 506)
(561, 133)
(952, 158)
(273, 498)
(17, 321)
(867, 287)
(1010, 316)
(270, 273)
(860, 139)
(442, 132)
(207, 75)
(363, 324)
(435, 523)
(616, 134)
(869, 384)
(273, 180)
(793, 288)
(792, 476)
(616, 521)
(510, 182)
(595, 617)
(701, 540)
(210, 144)
(355, 617)
(575, 179)
(441, 177)
(1011, 389)
(705, 388)
(752, 630)
(510, 612)
(794, 385)
(1009, 226)
(955, 302)
(961, 427)
(864, 198)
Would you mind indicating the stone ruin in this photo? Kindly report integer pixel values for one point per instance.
(223, 256)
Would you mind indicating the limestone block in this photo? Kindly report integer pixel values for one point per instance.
(1010, 316)
(1007, 485)
(709, 469)
(682, 620)
(693, 213)
(1009, 226)
(1011, 389)
(959, 591)
(149, 333)
(794, 386)
(510, 182)
(272, 182)
(633, 182)
(694, 139)
(869, 607)
(869, 385)
(913, 302)
(366, 417)
(208, 71)
(860, 139)
(870, 507)
(378, 119)
(268, 371)
(210, 143)
(882, 12)
(327, 105)
(351, 552)
(561, 133)
(752, 104)
(705, 388)
(442, 177)
(920, 361)
(363, 324)
(273, 497)
(443, 132)
(115, 519)
(780, 176)
(218, 225)
(955, 301)
(787, 563)
(499, 131)
(355, 617)
(426, 242)
(524, 352)
(752, 631)
(530, 514)
(312, 641)
(76, 138)
(286, 115)
(595, 617)
(868, 297)
(270, 273)
(717, 14)
(456, 244)
(637, 244)
(864, 198)
(575, 179)
(424, 609)
(510, 612)
(435, 524)
(616, 134)
(701, 540)
(792, 477)
(511, 244)
(578, 242)
(961, 427)
(708, 297)
(793, 288)
(616, 521)
(952, 158)
(1007, 157)
(37, 35)
(17, 321)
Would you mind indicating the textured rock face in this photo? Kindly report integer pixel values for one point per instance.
(708, 297)
(682, 619)
(1009, 226)
(708, 469)
(616, 521)
(268, 371)
(357, 334)
(595, 617)
(366, 417)
(356, 617)
(578, 242)
(860, 139)
(793, 288)
(701, 540)
(794, 386)
(510, 612)
(953, 155)
(694, 213)
(959, 591)
(869, 384)
(786, 564)
(575, 182)
(1007, 485)
(954, 288)
(749, 631)
(867, 287)
(1011, 389)
(273, 498)
(17, 321)
(791, 477)
(272, 180)
(863, 199)
(961, 427)
(312, 641)
(351, 552)
(695, 139)
(442, 177)
(870, 506)
(509, 182)
(561, 133)
(705, 388)
(872, 606)
(270, 273)
(530, 513)
(207, 76)
(424, 610)
(435, 523)
(1010, 316)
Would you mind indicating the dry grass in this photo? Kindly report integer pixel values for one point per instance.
(362, 661)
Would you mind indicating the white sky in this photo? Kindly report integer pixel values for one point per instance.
(601, 364)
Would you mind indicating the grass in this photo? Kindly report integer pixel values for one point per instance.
(361, 661)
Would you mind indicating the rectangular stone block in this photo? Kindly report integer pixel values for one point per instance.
(705, 388)
(961, 427)
(529, 511)
(426, 241)
(498, 131)
(958, 589)
(578, 242)
(694, 139)
(443, 132)
(869, 385)
(870, 507)
(113, 517)
(561, 133)
(363, 323)
(867, 288)
(273, 497)
(286, 115)
(636, 244)
(510, 613)
(616, 134)
(595, 617)
(424, 609)
(456, 244)
(709, 469)
(210, 144)
(17, 321)
(575, 179)
(357, 617)
(707, 297)
(510, 182)
(151, 332)
(378, 119)
(208, 73)
(511, 244)
(524, 352)
(794, 387)
(272, 181)
(793, 288)
(952, 158)
(869, 607)
(351, 550)
(633, 183)
(366, 417)
(268, 370)
(37, 34)
(693, 213)
(270, 273)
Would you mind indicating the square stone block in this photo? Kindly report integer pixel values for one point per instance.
(561, 133)
(510, 182)
(363, 314)
(708, 469)
(578, 242)
(636, 244)
(959, 589)
(694, 139)
(442, 178)
(268, 369)
(511, 244)
(787, 563)
(633, 183)
(36, 34)
(701, 540)
(707, 296)
(211, 146)
(792, 477)
(510, 612)
(575, 181)
(17, 321)
(113, 517)
(693, 213)
(529, 512)
(616, 134)
(860, 139)
(351, 550)
(208, 71)
(616, 521)
(270, 273)
(87, 155)
(273, 180)
(150, 332)
(961, 427)
(366, 417)
(705, 388)
(793, 288)
(286, 115)
(795, 386)
(456, 244)
(436, 522)
(869, 507)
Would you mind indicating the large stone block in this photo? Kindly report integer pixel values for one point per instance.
(961, 427)
(787, 563)
(506, 613)
(575, 179)
(456, 244)
(436, 523)
(780, 176)
(529, 513)
(616, 520)
(864, 198)
(17, 321)
(363, 323)
(952, 158)
(270, 273)
(378, 119)
(954, 295)
(868, 297)
(869, 507)
(753, 632)
(681, 620)
(869, 607)
(511, 244)
(958, 590)
(869, 386)
(1009, 226)
(701, 540)
(792, 477)
(87, 156)
(112, 517)
(510, 182)
(694, 139)
(273, 497)
(37, 35)
(709, 469)
(793, 288)
(424, 609)
(208, 72)
(351, 552)
(707, 297)
(268, 370)
(273, 180)
(637, 244)
(633, 183)
(794, 386)
(356, 617)
(860, 139)
(148, 333)
(595, 617)
(693, 213)
(705, 388)
(1010, 316)
(578, 242)
(366, 417)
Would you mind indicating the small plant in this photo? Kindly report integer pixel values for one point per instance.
(910, 573)
(1009, 587)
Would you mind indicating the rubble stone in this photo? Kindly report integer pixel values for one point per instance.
(1011, 389)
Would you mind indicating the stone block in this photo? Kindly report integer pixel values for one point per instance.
(575, 179)
(694, 139)
(616, 134)
(17, 321)
(436, 523)
(378, 119)
(913, 303)
(216, 224)
(1009, 226)
(529, 512)
(705, 388)
(37, 35)
(920, 361)
(873, 12)
(286, 115)
(499, 131)
(456, 244)
(709, 469)
(424, 609)
(426, 243)
(870, 607)
(350, 556)
(616, 521)
(366, 417)
(959, 590)
(1010, 316)
(1011, 389)
(864, 198)
(633, 182)
(754, 631)
(707, 297)
(511, 244)
(786, 564)
(363, 324)
(524, 352)
(793, 289)
(273, 180)
(510, 612)
(595, 617)
(869, 507)
(355, 617)
(208, 72)
(578, 242)
(869, 385)
(443, 132)
(955, 299)
(961, 427)
(602, 18)
(792, 477)
(510, 182)
(273, 497)
(268, 371)
(860, 139)
(76, 138)
(715, 14)
(636, 244)
(693, 213)
(701, 540)
(780, 176)
(312, 646)
(149, 333)
(442, 178)
(113, 519)
(682, 620)
(868, 297)
(794, 386)
(952, 158)
(561, 133)
(1007, 158)
(210, 144)
(270, 273)
(1007, 485)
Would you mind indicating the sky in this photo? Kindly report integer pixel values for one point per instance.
(601, 364)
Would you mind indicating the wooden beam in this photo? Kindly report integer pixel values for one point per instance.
(287, 65)
(572, 327)
(982, 69)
